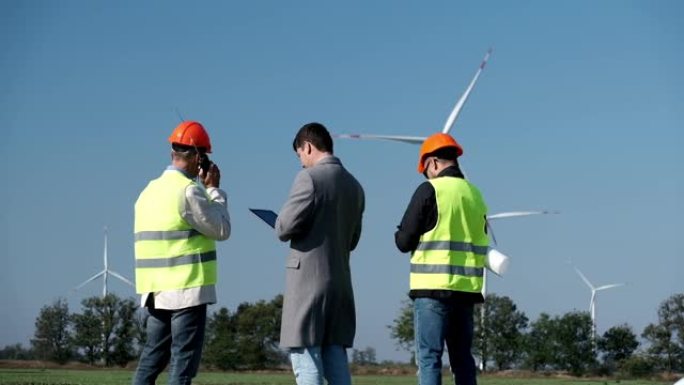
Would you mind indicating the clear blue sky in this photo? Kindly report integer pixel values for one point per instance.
(580, 110)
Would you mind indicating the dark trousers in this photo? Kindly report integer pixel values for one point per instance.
(174, 337)
(438, 321)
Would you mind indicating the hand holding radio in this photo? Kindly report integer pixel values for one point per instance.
(209, 174)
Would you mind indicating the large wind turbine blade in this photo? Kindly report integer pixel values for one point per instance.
(490, 229)
(449, 123)
(89, 280)
(459, 105)
(609, 286)
(584, 279)
(121, 277)
(511, 214)
(396, 138)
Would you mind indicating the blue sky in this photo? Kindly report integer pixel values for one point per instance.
(580, 110)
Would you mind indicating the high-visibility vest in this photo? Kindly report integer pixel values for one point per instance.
(169, 253)
(452, 255)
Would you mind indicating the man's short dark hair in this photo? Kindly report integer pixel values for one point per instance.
(447, 153)
(316, 134)
(177, 147)
(182, 151)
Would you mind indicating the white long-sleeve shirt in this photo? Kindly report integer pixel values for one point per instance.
(208, 216)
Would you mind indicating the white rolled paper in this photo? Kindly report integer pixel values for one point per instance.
(497, 262)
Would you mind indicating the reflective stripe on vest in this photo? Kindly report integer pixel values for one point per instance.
(169, 254)
(163, 235)
(452, 255)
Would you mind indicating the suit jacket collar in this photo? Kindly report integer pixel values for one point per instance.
(331, 159)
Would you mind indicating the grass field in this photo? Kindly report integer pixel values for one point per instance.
(121, 377)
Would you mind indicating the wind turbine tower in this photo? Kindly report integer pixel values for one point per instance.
(105, 273)
(592, 302)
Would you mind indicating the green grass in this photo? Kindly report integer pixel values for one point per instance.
(117, 377)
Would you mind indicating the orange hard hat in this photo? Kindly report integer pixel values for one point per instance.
(191, 133)
(436, 142)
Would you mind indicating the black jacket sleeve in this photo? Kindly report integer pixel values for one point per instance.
(419, 218)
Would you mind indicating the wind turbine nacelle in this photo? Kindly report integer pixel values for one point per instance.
(497, 262)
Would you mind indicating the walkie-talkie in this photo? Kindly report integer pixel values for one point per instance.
(205, 163)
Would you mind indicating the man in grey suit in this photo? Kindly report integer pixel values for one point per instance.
(322, 221)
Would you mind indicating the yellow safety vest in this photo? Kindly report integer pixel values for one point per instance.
(169, 254)
(452, 255)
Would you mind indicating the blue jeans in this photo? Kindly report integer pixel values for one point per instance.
(175, 337)
(437, 321)
(312, 364)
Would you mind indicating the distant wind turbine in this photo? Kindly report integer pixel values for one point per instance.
(104, 273)
(592, 303)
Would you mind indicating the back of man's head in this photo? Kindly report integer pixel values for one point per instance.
(316, 134)
(185, 152)
(446, 154)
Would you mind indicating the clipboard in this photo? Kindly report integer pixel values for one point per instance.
(267, 216)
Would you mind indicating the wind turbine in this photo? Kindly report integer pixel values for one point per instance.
(592, 302)
(104, 273)
(447, 126)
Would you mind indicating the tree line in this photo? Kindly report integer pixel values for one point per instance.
(110, 331)
(506, 339)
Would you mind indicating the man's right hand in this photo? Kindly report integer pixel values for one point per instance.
(212, 178)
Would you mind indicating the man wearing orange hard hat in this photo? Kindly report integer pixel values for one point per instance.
(177, 221)
(444, 229)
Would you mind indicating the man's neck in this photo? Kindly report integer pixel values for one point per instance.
(318, 156)
(451, 170)
(183, 167)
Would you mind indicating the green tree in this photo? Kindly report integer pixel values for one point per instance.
(258, 332)
(671, 315)
(561, 343)
(16, 352)
(364, 357)
(401, 329)
(52, 338)
(125, 331)
(666, 339)
(246, 339)
(220, 347)
(87, 335)
(617, 344)
(573, 343)
(638, 365)
(104, 308)
(500, 336)
(117, 327)
(662, 349)
(539, 344)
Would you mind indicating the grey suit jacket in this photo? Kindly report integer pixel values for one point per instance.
(322, 221)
